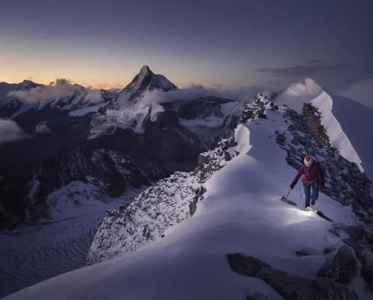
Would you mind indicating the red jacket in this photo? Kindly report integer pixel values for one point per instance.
(312, 174)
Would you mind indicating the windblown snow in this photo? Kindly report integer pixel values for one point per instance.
(309, 91)
(239, 213)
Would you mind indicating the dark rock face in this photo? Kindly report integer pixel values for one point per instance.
(203, 109)
(287, 285)
(312, 117)
(257, 108)
(344, 181)
(168, 202)
(111, 171)
(366, 273)
(166, 140)
(67, 151)
(342, 268)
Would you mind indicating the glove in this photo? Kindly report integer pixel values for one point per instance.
(292, 185)
(322, 185)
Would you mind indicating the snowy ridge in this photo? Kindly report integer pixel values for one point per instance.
(309, 91)
(167, 203)
(299, 92)
(338, 139)
(239, 214)
(235, 213)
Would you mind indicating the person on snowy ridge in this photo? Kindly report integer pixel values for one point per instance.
(313, 179)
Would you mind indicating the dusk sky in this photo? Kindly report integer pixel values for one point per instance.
(223, 43)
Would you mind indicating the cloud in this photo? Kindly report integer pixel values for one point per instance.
(93, 96)
(42, 128)
(60, 89)
(243, 94)
(10, 132)
(311, 67)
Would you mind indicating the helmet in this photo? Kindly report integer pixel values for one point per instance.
(308, 160)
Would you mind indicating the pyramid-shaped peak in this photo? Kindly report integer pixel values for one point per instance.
(145, 70)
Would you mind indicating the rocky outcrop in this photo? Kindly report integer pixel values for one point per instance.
(152, 144)
(344, 181)
(257, 108)
(287, 285)
(168, 202)
(342, 268)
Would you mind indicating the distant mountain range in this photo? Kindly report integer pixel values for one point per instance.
(56, 134)
(218, 231)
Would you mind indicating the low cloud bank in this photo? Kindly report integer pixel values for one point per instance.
(242, 94)
(10, 132)
(60, 89)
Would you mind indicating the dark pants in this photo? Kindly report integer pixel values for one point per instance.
(311, 193)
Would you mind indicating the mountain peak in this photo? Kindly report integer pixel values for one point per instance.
(145, 70)
(27, 84)
(144, 81)
(297, 93)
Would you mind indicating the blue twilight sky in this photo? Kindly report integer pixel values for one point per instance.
(208, 42)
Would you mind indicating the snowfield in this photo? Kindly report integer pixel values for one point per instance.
(38, 252)
(240, 213)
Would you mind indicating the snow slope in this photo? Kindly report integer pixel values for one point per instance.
(338, 138)
(38, 252)
(240, 213)
(357, 123)
(299, 92)
(346, 121)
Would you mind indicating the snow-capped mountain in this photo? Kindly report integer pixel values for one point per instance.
(220, 232)
(146, 80)
(58, 158)
(66, 125)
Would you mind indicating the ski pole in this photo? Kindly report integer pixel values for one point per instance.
(287, 194)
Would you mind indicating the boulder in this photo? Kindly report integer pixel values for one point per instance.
(289, 286)
(342, 268)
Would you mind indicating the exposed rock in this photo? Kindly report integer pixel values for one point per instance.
(227, 156)
(312, 117)
(342, 268)
(356, 232)
(289, 286)
(366, 273)
(356, 246)
(168, 202)
(344, 181)
(246, 265)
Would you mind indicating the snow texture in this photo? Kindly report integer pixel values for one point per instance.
(239, 214)
(37, 252)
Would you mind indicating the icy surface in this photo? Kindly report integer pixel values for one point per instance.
(298, 93)
(38, 252)
(356, 121)
(83, 111)
(240, 213)
(337, 137)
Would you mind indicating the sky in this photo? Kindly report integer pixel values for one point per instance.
(210, 42)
